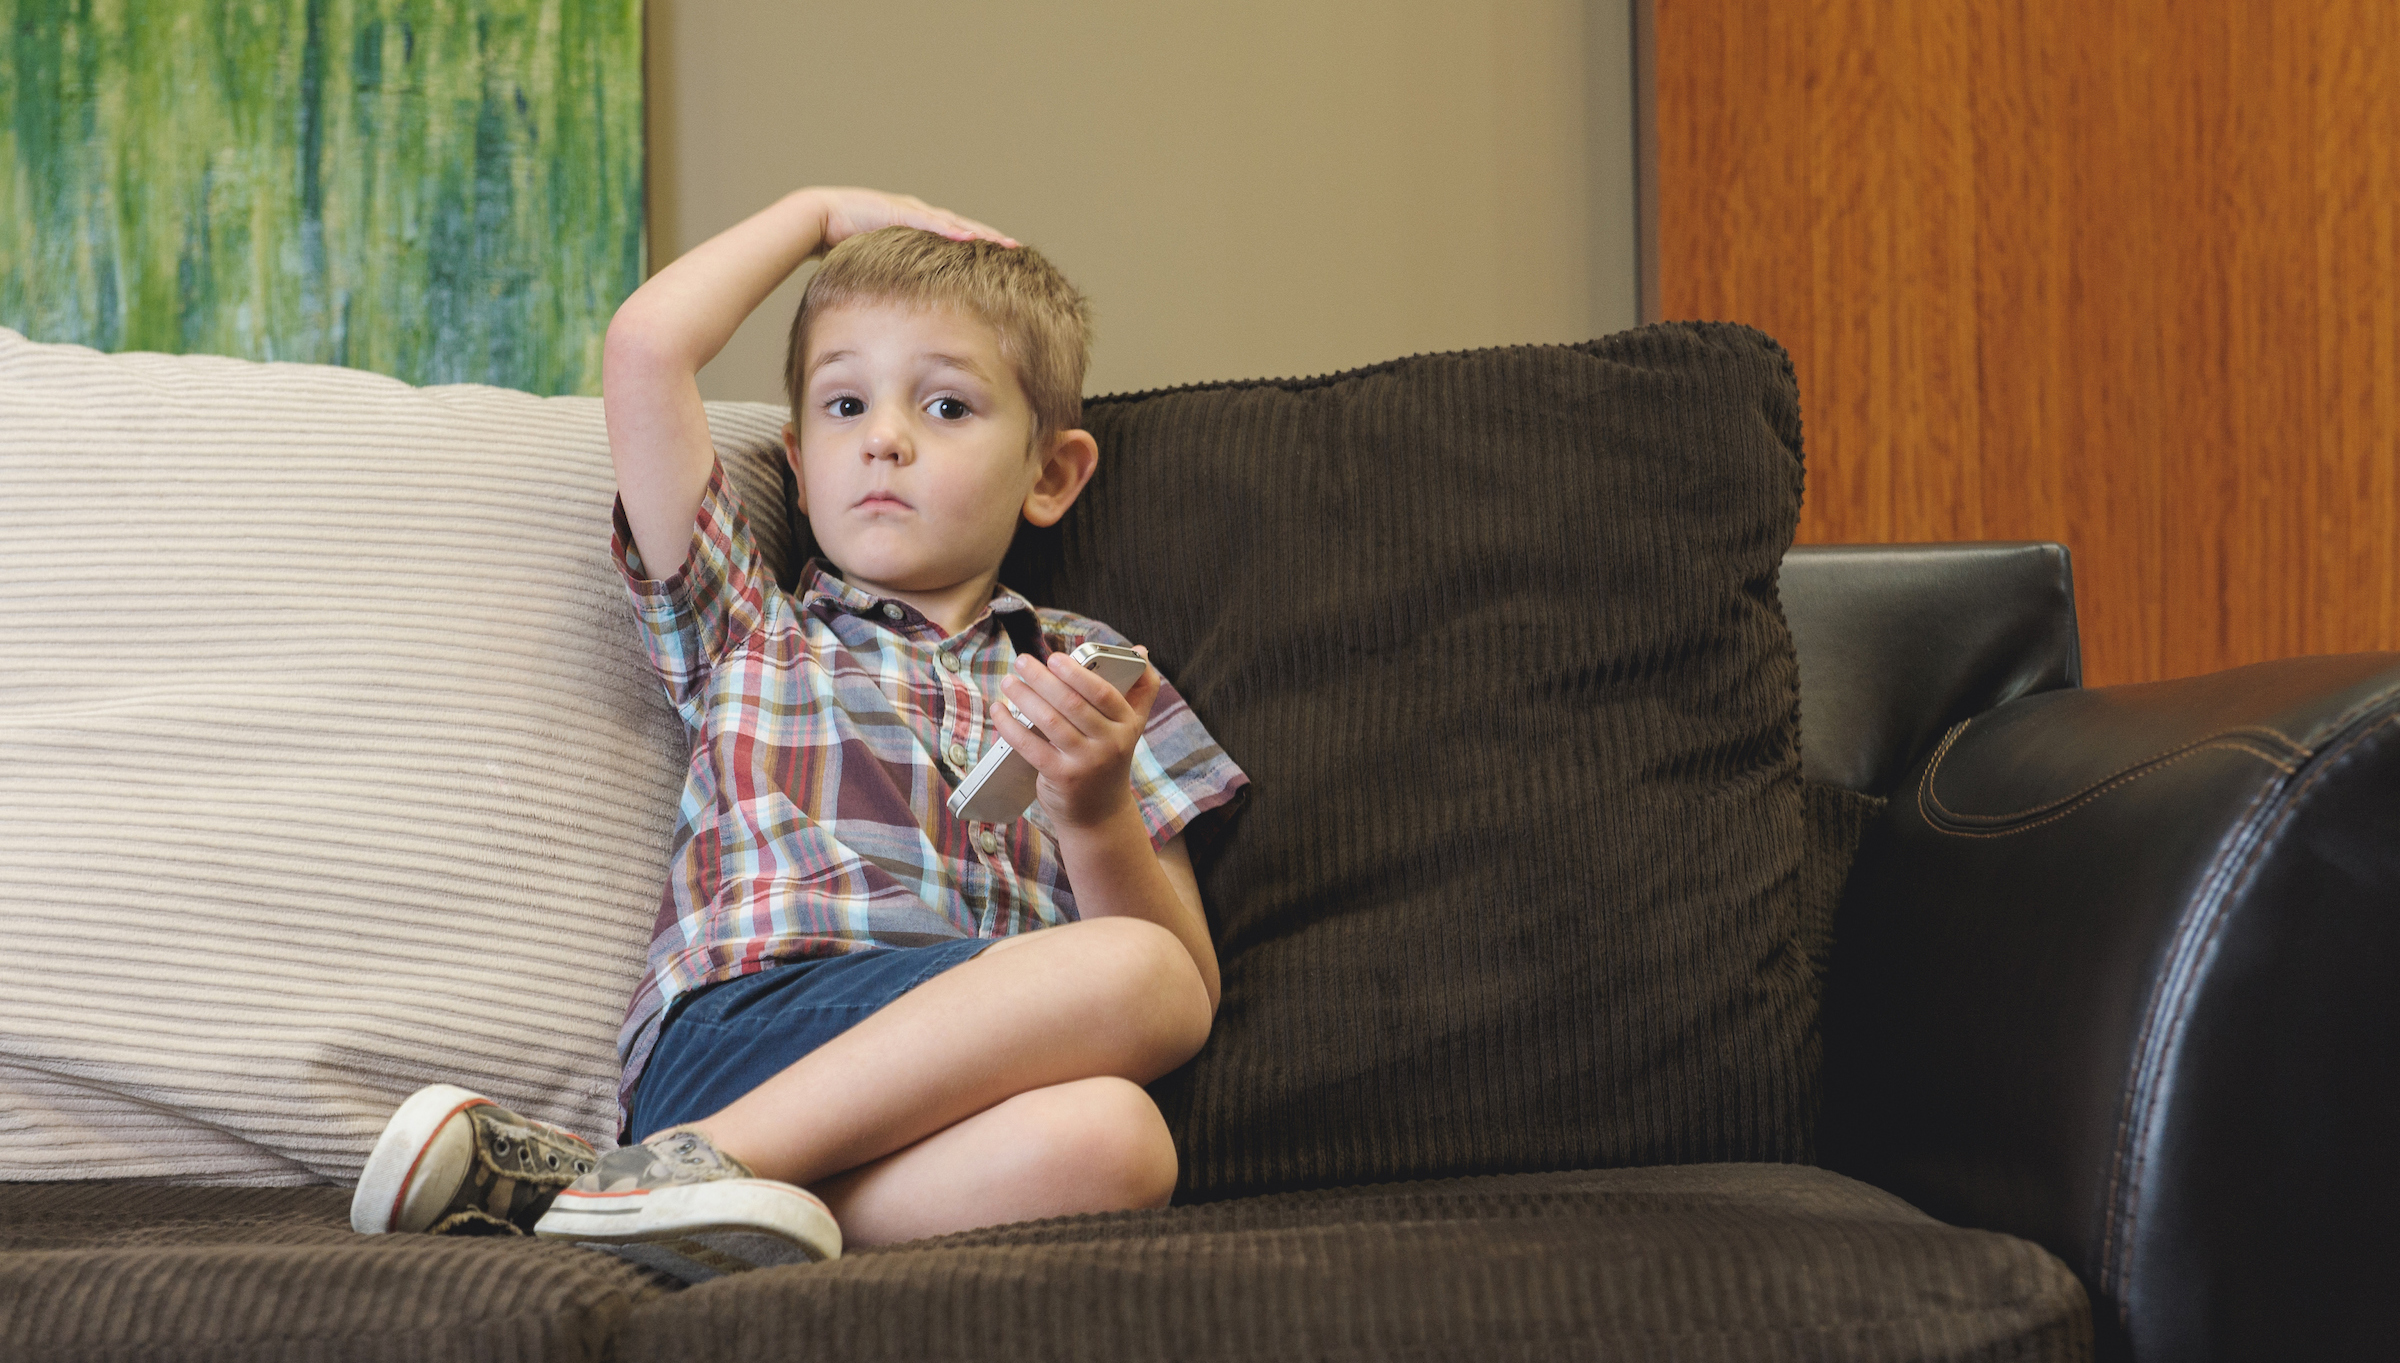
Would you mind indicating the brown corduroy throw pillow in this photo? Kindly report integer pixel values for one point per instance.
(1496, 636)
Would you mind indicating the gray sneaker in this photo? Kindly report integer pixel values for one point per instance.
(451, 1162)
(680, 1205)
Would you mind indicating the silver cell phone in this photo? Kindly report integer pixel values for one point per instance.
(1001, 785)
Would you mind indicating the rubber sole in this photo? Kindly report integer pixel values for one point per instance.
(739, 1222)
(402, 1159)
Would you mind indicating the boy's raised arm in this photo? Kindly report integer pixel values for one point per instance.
(677, 322)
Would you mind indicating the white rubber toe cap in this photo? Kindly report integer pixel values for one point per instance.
(417, 1163)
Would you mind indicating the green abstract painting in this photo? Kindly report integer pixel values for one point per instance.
(441, 191)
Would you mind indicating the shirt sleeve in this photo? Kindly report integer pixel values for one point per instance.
(1180, 772)
(717, 599)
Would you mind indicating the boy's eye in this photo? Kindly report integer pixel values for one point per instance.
(847, 407)
(949, 409)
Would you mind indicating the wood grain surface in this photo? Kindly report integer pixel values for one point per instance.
(2124, 276)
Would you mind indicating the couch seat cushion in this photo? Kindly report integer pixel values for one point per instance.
(1719, 1262)
(132, 1270)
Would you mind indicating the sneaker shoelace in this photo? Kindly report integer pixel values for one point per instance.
(687, 1154)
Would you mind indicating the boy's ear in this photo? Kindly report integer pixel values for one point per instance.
(1068, 461)
(791, 455)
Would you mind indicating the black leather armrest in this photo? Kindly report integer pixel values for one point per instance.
(1898, 642)
(2116, 972)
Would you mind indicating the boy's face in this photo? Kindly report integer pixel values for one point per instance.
(915, 455)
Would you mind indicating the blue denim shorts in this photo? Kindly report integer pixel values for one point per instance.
(726, 1039)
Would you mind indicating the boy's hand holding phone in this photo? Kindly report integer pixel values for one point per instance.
(1082, 737)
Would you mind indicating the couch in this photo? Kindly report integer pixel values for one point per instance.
(1644, 938)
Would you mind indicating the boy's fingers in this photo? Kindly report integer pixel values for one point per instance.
(1095, 691)
(1025, 740)
(1038, 708)
(956, 226)
(989, 232)
(1144, 692)
(857, 210)
(1057, 686)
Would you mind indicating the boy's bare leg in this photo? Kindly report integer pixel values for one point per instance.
(1092, 1145)
(1110, 998)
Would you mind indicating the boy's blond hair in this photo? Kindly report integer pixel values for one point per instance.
(1045, 325)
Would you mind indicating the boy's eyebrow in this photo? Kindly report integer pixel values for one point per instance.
(958, 362)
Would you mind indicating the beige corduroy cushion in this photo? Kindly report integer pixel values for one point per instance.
(329, 762)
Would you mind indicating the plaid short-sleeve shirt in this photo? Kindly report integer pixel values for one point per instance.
(827, 731)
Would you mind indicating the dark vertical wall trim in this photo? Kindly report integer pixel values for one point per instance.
(662, 183)
(1613, 227)
(1645, 153)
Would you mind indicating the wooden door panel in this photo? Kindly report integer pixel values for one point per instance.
(2121, 276)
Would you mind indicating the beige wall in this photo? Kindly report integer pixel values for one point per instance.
(1243, 188)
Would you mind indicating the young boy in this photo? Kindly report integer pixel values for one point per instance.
(847, 991)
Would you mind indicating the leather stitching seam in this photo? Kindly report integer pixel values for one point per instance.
(1943, 820)
(2118, 1216)
(2133, 1112)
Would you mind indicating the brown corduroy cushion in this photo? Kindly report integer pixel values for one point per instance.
(1701, 1262)
(121, 1270)
(1496, 636)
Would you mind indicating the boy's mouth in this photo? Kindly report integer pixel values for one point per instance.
(879, 501)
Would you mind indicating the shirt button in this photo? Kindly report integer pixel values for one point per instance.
(957, 754)
(989, 841)
(949, 660)
(892, 611)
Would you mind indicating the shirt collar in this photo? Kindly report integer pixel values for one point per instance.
(824, 591)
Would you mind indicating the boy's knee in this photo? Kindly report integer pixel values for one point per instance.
(1107, 1145)
(1146, 973)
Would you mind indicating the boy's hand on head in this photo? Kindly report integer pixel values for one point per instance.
(1082, 738)
(677, 322)
(849, 211)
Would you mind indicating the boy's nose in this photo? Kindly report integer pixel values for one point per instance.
(887, 442)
